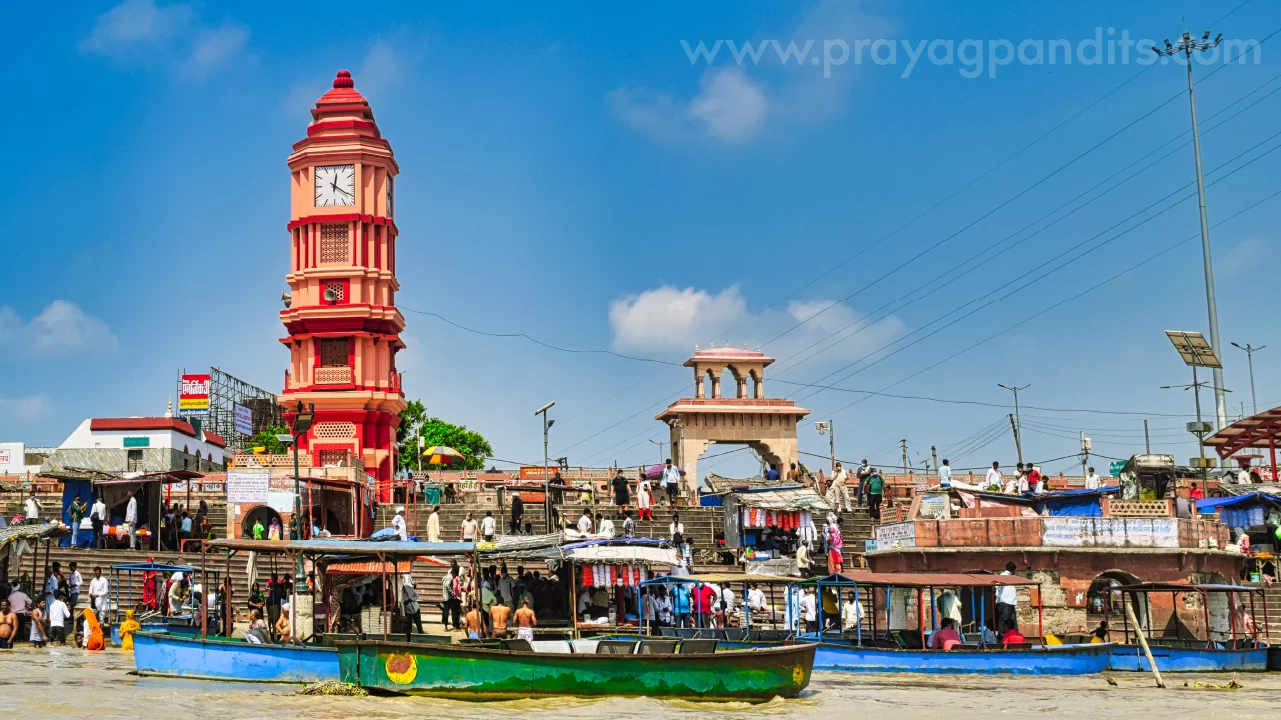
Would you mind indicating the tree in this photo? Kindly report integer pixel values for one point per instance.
(414, 421)
(266, 438)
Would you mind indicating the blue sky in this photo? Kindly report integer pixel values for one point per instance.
(568, 172)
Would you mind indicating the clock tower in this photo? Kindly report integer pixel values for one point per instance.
(344, 328)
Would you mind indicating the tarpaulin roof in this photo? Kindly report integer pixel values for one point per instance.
(922, 580)
(624, 555)
(346, 547)
(1211, 504)
(795, 498)
(27, 533)
(1180, 587)
(722, 485)
(720, 578)
(369, 567)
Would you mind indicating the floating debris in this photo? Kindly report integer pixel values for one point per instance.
(1230, 685)
(333, 687)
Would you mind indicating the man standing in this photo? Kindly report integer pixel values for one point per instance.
(31, 509)
(629, 525)
(793, 475)
(433, 525)
(864, 472)
(875, 491)
(59, 619)
(98, 516)
(451, 592)
(518, 511)
(409, 604)
(488, 526)
(1007, 598)
(498, 614)
(1092, 481)
(75, 514)
(131, 521)
(526, 621)
(945, 474)
(98, 589)
(839, 479)
(809, 610)
(619, 484)
(772, 473)
(73, 586)
(672, 481)
(53, 585)
(585, 524)
(473, 622)
(467, 532)
(398, 524)
(994, 478)
(8, 625)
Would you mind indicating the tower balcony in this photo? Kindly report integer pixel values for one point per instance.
(342, 376)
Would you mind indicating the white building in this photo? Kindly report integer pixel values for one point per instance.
(18, 459)
(139, 444)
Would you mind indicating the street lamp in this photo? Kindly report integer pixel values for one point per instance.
(825, 427)
(302, 423)
(1249, 356)
(547, 425)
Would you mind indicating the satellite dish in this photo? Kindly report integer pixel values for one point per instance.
(330, 295)
(286, 298)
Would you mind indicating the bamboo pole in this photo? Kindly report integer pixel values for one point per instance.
(1143, 642)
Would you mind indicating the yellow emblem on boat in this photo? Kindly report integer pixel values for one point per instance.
(401, 669)
(798, 674)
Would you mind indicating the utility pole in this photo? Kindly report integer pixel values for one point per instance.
(1249, 356)
(825, 427)
(904, 443)
(660, 444)
(1018, 444)
(1147, 441)
(547, 425)
(934, 453)
(1085, 454)
(1187, 45)
(1018, 422)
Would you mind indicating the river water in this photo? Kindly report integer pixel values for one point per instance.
(65, 682)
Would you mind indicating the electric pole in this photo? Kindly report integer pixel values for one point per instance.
(1015, 420)
(1249, 356)
(825, 427)
(1085, 454)
(934, 453)
(904, 443)
(1147, 441)
(1187, 45)
(660, 444)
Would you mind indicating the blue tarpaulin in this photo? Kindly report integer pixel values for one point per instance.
(1209, 505)
(70, 489)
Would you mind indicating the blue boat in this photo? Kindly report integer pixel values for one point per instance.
(165, 655)
(1041, 660)
(1228, 642)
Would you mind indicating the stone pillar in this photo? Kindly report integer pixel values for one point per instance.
(716, 385)
(698, 382)
(759, 381)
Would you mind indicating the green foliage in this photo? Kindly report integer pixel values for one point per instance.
(414, 421)
(266, 438)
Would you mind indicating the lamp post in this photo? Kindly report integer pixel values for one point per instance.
(302, 423)
(1249, 356)
(547, 425)
(825, 427)
(1186, 46)
(660, 444)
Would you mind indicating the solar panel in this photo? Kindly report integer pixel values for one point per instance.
(1194, 349)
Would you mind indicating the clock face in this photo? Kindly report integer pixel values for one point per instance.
(335, 185)
(389, 196)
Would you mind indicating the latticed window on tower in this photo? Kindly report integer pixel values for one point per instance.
(334, 290)
(333, 352)
(336, 458)
(333, 243)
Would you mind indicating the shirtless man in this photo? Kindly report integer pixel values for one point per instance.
(8, 625)
(474, 622)
(498, 617)
(283, 628)
(525, 621)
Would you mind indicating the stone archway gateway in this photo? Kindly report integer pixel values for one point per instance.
(767, 425)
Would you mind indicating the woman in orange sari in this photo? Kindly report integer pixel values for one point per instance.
(93, 631)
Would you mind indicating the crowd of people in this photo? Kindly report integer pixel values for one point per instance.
(50, 616)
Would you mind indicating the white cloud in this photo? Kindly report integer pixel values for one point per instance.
(60, 329)
(1244, 257)
(144, 33)
(668, 318)
(674, 319)
(32, 407)
(215, 47)
(730, 108)
(136, 22)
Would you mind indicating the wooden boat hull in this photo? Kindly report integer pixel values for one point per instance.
(168, 655)
(1176, 659)
(491, 674)
(1053, 660)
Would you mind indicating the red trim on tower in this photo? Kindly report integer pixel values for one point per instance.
(342, 217)
(322, 125)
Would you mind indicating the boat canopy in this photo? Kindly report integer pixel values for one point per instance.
(1151, 587)
(920, 580)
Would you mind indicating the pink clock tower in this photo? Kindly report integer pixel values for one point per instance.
(344, 328)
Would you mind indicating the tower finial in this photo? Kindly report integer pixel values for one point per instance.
(343, 80)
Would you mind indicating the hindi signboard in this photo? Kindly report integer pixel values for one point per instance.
(193, 394)
(249, 488)
(244, 419)
(896, 535)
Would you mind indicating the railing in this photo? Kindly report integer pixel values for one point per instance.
(242, 461)
(333, 375)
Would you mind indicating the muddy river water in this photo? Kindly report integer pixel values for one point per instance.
(65, 682)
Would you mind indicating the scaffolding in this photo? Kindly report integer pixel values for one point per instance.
(225, 392)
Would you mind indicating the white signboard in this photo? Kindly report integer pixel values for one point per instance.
(281, 502)
(896, 535)
(249, 488)
(5, 457)
(1110, 532)
(244, 420)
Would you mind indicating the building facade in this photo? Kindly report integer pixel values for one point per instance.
(341, 317)
(138, 445)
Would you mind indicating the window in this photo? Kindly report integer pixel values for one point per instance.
(333, 243)
(335, 290)
(134, 461)
(333, 352)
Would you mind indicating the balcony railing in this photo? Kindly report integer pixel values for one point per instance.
(333, 375)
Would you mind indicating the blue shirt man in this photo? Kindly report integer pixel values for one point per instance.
(945, 474)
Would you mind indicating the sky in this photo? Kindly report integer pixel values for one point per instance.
(921, 199)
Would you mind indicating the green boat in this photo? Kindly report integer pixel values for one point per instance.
(688, 669)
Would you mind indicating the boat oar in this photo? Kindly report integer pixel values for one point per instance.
(1143, 643)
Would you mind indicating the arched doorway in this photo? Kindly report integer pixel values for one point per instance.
(264, 514)
(1102, 602)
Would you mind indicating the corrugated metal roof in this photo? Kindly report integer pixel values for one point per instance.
(14, 533)
(794, 499)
